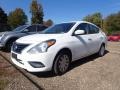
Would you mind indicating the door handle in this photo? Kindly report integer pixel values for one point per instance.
(89, 39)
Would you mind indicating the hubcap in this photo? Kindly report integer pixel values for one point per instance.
(63, 63)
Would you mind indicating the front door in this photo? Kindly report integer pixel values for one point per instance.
(81, 42)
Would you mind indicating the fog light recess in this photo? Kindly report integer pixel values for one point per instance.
(36, 64)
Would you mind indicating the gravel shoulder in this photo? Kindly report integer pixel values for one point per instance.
(91, 73)
(11, 78)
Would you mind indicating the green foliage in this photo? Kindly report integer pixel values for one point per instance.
(3, 84)
(17, 18)
(3, 17)
(48, 23)
(37, 12)
(112, 23)
(95, 18)
(3, 20)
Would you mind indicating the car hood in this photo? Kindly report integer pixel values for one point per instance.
(7, 33)
(37, 38)
(1, 33)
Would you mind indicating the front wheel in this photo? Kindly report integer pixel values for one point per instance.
(9, 45)
(61, 64)
(101, 51)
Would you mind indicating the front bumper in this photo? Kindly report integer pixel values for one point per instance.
(23, 61)
(1, 45)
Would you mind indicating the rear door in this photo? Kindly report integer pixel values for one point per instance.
(94, 38)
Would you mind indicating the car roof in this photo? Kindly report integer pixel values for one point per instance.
(34, 24)
(81, 22)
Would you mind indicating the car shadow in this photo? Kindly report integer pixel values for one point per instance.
(73, 65)
(85, 60)
(4, 50)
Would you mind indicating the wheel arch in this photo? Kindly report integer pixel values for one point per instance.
(103, 43)
(11, 38)
(65, 49)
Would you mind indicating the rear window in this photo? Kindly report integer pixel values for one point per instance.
(93, 29)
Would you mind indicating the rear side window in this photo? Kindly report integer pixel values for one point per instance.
(93, 29)
(40, 28)
(83, 26)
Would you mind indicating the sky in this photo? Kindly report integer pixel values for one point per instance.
(65, 10)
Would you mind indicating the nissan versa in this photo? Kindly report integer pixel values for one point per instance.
(56, 47)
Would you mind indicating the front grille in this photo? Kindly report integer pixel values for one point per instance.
(17, 47)
(15, 57)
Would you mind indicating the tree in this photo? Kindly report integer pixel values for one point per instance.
(112, 23)
(95, 18)
(48, 23)
(37, 12)
(17, 18)
(3, 20)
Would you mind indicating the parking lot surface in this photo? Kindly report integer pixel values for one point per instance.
(91, 73)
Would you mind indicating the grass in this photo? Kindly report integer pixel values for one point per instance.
(3, 83)
(6, 73)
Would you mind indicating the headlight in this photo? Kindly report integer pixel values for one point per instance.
(1, 35)
(42, 47)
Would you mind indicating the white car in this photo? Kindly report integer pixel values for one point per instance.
(56, 47)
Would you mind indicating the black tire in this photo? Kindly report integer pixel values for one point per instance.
(101, 51)
(57, 68)
(9, 45)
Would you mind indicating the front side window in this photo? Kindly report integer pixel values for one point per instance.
(83, 26)
(59, 28)
(32, 28)
(40, 28)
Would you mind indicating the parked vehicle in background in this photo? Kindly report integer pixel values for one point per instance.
(114, 37)
(56, 47)
(7, 38)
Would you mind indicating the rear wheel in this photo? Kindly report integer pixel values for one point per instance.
(101, 51)
(62, 63)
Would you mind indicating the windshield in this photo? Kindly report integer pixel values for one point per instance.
(19, 28)
(58, 28)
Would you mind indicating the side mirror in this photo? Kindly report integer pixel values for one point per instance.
(25, 30)
(79, 32)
